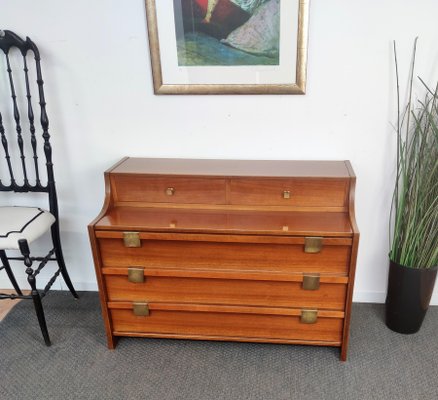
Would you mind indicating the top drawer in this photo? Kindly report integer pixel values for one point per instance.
(309, 192)
(168, 189)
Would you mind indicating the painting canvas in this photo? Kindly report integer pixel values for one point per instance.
(227, 32)
(228, 46)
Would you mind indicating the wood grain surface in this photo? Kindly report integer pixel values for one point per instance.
(233, 168)
(218, 255)
(234, 324)
(225, 291)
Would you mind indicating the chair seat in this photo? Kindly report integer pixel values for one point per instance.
(22, 223)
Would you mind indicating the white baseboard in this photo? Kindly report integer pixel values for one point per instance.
(369, 297)
(380, 297)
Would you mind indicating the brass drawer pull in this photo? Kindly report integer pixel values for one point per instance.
(170, 191)
(136, 274)
(131, 239)
(140, 309)
(286, 194)
(311, 282)
(312, 244)
(309, 316)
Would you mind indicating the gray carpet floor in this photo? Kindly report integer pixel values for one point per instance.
(382, 364)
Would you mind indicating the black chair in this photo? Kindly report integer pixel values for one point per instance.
(21, 173)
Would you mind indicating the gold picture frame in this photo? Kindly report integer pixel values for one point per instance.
(296, 85)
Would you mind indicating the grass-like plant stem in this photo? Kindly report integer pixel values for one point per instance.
(414, 212)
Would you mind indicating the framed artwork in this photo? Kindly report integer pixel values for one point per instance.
(228, 46)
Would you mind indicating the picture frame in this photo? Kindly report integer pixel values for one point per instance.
(198, 46)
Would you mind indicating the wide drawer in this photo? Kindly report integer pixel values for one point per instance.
(219, 322)
(182, 286)
(310, 192)
(204, 252)
(168, 189)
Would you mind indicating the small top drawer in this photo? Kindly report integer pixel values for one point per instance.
(168, 189)
(310, 192)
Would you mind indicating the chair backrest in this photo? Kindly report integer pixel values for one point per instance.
(26, 174)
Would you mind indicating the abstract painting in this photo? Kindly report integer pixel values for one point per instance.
(227, 32)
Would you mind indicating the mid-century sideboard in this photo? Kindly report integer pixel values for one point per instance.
(255, 251)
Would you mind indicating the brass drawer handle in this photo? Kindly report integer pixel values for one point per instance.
(309, 316)
(311, 282)
(136, 274)
(286, 194)
(170, 191)
(312, 244)
(140, 309)
(131, 239)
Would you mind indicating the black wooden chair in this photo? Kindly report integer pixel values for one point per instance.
(20, 173)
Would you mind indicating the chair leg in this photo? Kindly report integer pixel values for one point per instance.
(60, 258)
(5, 262)
(40, 315)
(24, 248)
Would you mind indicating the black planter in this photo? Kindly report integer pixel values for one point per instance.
(408, 298)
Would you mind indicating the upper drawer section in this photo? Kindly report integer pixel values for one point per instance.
(311, 192)
(168, 189)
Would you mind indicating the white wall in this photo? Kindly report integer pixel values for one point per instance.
(102, 107)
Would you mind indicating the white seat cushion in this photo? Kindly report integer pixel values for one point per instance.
(22, 223)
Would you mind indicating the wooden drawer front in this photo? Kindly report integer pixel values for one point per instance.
(224, 291)
(290, 192)
(169, 189)
(196, 321)
(225, 256)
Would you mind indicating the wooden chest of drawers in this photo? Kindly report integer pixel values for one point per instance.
(257, 251)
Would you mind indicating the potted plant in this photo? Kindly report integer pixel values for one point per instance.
(414, 213)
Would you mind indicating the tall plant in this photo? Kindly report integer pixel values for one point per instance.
(414, 211)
